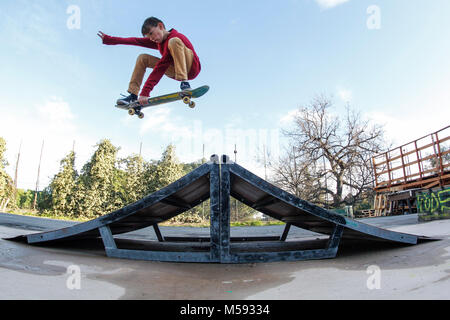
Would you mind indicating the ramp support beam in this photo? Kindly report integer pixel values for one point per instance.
(335, 238)
(285, 232)
(158, 233)
(107, 237)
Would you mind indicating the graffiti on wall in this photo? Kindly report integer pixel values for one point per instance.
(435, 204)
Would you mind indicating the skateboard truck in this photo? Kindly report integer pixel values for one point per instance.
(137, 111)
(186, 97)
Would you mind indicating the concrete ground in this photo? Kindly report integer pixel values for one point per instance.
(394, 272)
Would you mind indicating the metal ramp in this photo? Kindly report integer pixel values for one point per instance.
(217, 180)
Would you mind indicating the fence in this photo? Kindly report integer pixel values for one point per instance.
(422, 163)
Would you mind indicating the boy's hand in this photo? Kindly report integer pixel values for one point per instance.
(143, 100)
(101, 34)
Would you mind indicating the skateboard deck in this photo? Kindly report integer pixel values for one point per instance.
(185, 96)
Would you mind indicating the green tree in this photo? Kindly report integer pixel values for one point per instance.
(6, 183)
(200, 213)
(188, 167)
(132, 179)
(96, 192)
(24, 198)
(63, 186)
(168, 169)
(240, 211)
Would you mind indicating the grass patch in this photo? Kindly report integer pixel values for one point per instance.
(256, 223)
(252, 223)
(33, 213)
(206, 224)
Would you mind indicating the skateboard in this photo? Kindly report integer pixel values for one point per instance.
(135, 108)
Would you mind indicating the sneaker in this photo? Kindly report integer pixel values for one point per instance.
(127, 99)
(185, 86)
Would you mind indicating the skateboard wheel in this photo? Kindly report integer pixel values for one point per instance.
(131, 111)
(141, 115)
(192, 104)
(186, 100)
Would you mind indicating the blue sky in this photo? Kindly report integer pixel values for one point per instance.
(262, 60)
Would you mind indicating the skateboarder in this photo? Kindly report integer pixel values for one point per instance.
(179, 60)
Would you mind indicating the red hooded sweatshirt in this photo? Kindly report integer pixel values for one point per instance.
(166, 59)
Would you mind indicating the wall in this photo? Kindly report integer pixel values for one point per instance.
(434, 205)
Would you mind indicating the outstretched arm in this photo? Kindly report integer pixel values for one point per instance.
(142, 42)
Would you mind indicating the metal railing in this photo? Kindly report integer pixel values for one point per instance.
(422, 163)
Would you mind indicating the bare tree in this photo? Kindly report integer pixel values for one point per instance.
(330, 155)
(291, 174)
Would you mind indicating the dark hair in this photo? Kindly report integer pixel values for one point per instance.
(150, 22)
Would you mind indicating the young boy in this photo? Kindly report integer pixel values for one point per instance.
(179, 60)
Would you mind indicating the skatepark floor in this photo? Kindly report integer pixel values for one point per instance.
(387, 272)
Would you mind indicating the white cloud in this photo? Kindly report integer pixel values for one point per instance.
(327, 4)
(51, 121)
(412, 120)
(402, 128)
(158, 122)
(56, 111)
(287, 119)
